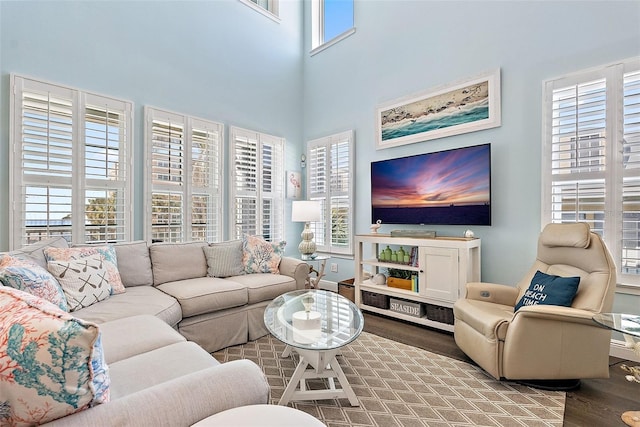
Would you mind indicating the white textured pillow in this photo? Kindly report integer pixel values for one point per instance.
(224, 259)
(84, 281)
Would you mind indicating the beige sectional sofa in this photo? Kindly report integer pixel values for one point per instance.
(158, 335)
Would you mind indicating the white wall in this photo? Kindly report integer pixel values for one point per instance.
(219, 60)
(404, 47)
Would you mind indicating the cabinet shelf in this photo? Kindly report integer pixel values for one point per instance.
(444, 267)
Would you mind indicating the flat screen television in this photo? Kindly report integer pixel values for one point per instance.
(451, 187)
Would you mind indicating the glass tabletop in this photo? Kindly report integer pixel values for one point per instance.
(626, 323)
(313, 319)
(314, 257)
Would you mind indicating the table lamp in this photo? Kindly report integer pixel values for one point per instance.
(306, 211)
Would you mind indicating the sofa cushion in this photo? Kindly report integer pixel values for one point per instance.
(23, 273)
(130, 336)
(134, 263)
(35, 251)
(224, 259)
(137, 300)
(265, 286)
(84, 281)
(177, 261)
(157, 366)
(107, 252)
(53, 363)
(548, 289)
(260, 256)
(206, 294)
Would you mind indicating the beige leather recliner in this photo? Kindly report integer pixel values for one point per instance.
(543, 342)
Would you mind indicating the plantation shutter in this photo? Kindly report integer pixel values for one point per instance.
(578, 150)
(591, 158)
(330, 181)
(258, 185)
(107, 198)
(185, 170)
(630, 251)
(68, 161)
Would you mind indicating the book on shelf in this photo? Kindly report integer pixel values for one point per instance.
(414, 283)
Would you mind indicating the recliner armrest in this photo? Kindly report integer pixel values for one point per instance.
(492, 292)
(556, 313)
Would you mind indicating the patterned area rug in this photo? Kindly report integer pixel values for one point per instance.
(400, 385)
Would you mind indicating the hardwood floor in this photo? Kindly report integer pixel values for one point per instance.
(596, 403)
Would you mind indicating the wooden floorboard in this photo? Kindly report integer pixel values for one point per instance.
(596, 403)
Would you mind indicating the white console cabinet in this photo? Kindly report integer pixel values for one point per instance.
(441, 268)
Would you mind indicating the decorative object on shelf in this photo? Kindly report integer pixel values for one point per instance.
(468, 234)
(306, 211)
(379, 279)
(453, 109)
(375, 227)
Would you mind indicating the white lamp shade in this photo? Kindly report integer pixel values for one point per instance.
(305, 211)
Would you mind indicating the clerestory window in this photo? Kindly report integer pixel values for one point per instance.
(331, 21)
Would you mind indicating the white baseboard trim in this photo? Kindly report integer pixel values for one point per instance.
(618, 349)
(328, 285)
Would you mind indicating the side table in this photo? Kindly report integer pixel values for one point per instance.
(317, 264)
(629, 326)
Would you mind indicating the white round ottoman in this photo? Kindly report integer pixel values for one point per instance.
(261, 416)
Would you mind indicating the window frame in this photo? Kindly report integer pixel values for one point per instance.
(272, 11)
(318, 42)
(613, 170)
(323, 230)
(274, 231)
(186, 189)
(81, 105)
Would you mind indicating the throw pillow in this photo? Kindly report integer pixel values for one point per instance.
(547, 289)
(224, 259)
(27, 275)
(84, 281)
(52, 363)
(110, 261)
(260, 256)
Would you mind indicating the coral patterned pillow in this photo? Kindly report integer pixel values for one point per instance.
(260, 256)
(52, 363)
(84, 281)
(22, 273)
(110, 260)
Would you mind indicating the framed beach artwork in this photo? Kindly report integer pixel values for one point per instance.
(294, 185)
(452, 109)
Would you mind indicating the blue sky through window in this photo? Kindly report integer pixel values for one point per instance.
(338, 17)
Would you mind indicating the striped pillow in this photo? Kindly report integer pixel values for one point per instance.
(224, 259)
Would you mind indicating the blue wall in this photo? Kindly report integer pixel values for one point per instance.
(218, 60)
(222, 61)
(404, 47)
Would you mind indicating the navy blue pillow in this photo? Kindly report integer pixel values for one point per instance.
(547, 289)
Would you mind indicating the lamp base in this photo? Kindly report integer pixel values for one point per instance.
(307, 246)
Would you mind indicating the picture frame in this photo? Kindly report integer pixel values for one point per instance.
(464, 106)
(293, 185)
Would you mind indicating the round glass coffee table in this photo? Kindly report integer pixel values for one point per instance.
(629, 326)
(316, 324)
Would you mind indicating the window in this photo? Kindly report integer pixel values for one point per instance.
(184, 172)
(591, 158)
(268, 8)
(331, 21)
(71, 159)
(330, 173)
(257, 187)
